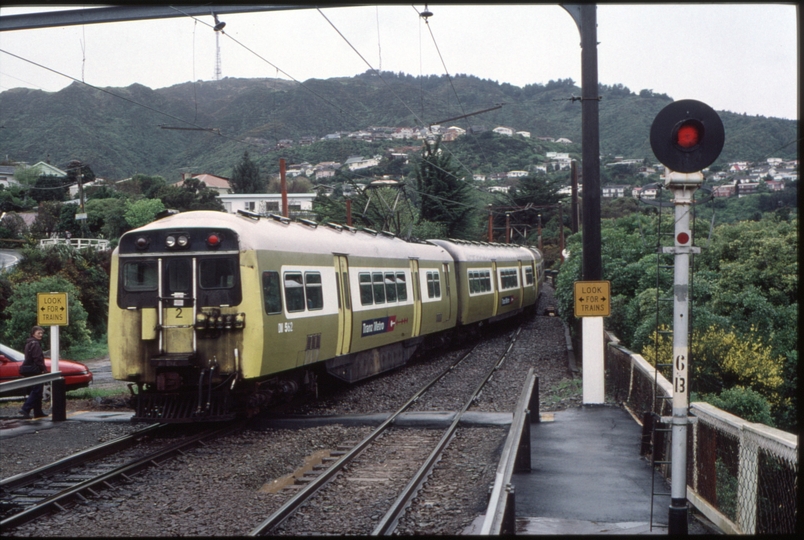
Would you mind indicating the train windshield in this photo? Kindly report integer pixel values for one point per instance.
(139, 276)
(217, 280)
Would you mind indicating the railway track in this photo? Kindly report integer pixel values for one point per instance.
(379, 476)
(60, 485)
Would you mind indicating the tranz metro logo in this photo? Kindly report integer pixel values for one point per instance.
(505, 300)
(378, 326)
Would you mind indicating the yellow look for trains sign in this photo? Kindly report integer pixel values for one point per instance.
(592, 298)
(51, 309)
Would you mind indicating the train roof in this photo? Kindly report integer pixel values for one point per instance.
(463, 250)
(281, 234)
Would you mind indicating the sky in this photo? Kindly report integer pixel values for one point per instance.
(741, 58)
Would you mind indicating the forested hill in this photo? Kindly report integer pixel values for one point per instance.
(129, 132)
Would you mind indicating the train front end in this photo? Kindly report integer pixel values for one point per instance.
(177, 319)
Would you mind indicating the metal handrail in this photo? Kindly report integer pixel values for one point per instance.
(495, 513)
(25, 382)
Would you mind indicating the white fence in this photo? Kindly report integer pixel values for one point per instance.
(78, 243)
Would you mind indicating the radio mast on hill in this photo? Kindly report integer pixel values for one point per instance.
(218, 31)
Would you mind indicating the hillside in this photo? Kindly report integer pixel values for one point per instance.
(121, 136)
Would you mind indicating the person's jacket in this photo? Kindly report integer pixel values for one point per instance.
(34, 354)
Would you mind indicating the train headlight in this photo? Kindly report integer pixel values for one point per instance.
(227, 321)
(201, 321)
(170, 241)
(183, 240)
(142, 242)
(240, 320)
(219, 322)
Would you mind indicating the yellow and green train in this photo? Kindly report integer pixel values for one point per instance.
(213, 315)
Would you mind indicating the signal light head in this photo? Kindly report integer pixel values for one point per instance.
(689, 134)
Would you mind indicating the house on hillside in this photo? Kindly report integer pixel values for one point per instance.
(218, 183)
(614, 191)
(7, 176)
(46, 169)
(502, 130)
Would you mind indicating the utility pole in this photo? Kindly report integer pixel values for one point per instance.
(593, 350)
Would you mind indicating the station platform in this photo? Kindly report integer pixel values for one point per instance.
(587, 477)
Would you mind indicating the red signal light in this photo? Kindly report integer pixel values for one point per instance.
(683, 238)
(213, 240)
(688, 135)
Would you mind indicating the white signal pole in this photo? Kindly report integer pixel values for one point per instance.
(683, 186)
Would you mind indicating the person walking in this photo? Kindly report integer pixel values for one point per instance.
(34, 356)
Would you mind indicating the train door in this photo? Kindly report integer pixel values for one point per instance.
(447, 290)
(177, 305)
(344, 306)
(520, 277)
(417, 298)
(496, 280)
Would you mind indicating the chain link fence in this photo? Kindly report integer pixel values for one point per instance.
(741, 475)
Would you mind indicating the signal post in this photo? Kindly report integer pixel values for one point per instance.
(687, 136)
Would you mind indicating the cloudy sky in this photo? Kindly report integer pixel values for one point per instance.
(735, 57)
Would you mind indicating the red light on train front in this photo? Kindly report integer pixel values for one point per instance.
(213, 240)
(142, 242)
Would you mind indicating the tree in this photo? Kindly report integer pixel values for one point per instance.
(446, 198)
(246, 177)
(192, 195)
(22, 307)
(47, 219)
(142, 212)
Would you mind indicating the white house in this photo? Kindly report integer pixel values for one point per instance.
(614, 191)
(564, 140)
(502, 130)
(7, 176)
(299, 204)
(524, 134)
(516, 174)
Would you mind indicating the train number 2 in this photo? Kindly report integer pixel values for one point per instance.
(285, 327)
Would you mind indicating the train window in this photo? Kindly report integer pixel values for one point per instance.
(312, 286)
(529, 275)
(271, 294)
(139, 276)
(179, 276)
(379, 288)
(366, 298)
(390, 287)
(216, 273)
(479, 281)
(509, 279)
(401, 287)
(433, 285)
(294, 291)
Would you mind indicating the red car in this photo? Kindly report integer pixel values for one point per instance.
(76, 374)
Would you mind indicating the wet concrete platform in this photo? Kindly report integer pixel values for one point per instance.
(587, 477)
